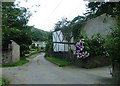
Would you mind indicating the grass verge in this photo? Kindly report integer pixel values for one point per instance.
(3, 81)
(58, 61)
(19, 63)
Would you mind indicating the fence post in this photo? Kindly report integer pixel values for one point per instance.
(116, 72)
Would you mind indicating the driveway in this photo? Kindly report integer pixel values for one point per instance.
(41, 71)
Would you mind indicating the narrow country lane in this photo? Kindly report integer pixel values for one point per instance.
(41, 71)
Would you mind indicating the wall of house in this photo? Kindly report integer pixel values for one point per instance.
(101, 24)
(58, 37)
(42, 44)
(15, 52)
(61, 44)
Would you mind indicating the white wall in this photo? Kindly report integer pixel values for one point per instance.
(60, 46)
(42, 44)
(100, 24)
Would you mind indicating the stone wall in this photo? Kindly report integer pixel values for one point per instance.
(101, 24)
(91, 62)
(7, 56)
(61, 55)
(15, 52)
(11, 54)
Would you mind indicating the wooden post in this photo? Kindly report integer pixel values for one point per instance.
(116, 72)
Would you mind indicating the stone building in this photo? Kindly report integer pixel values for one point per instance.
(11, 54)
(101, 24)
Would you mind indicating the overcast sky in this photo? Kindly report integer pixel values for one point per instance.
(51, 11)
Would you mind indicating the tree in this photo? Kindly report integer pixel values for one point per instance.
(39, 35)
(13, 16)
(49, 45)
(98, 8)
(60, 24)
(14, 26)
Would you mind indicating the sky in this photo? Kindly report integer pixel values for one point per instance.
(49, 12)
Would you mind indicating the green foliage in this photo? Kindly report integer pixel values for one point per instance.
(14, 20)
(3, 81)
(23, 49)
(58, 61)
(75, 26)
(95, 45)
(77, 19)
(61, 24)
(39, 35)
(14, 16)
(49, 45)
(98, 8)
(113, 43)
(33, 46)
(76, 32)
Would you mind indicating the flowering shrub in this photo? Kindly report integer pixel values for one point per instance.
(96, 45)
(80, 50)
(91, 47)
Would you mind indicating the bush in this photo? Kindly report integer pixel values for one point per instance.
(3, 81)
(23, 49)
(92, 52)
(113, 47)
(95, 45)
